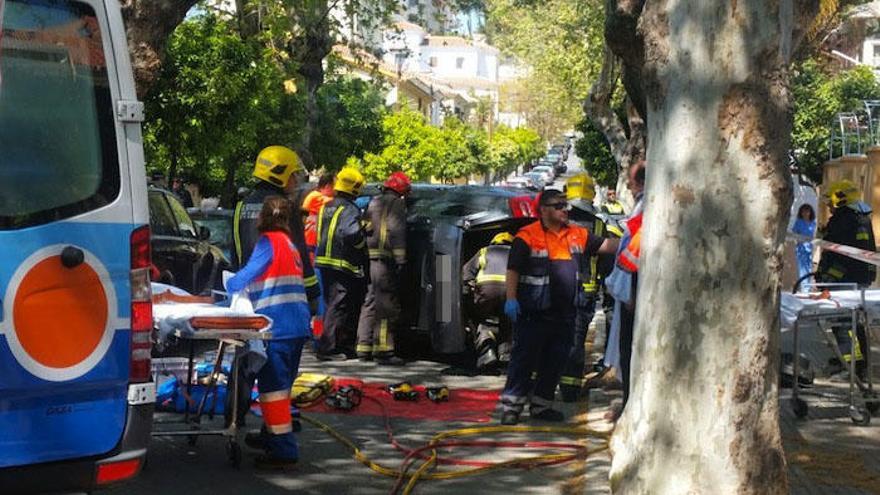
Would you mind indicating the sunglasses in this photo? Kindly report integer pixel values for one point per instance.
(558, 206)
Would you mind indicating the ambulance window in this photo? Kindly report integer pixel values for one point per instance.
(161, 219)
(57, 133)
(184, 222)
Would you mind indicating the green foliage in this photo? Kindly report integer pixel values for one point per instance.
(449, 152)
(350, 123)
(595, 154)
(818, 97)
(220, 99)
(559, 40)
(216, 103)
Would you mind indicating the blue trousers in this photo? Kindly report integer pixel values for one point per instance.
(541, 345)
(277, 376)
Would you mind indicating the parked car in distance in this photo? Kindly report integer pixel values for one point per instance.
(538, 178)
(520, 182)
(182, 255)
(549, 174)
(219, 222)
(560, 149)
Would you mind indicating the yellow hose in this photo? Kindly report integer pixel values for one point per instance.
(422, 471)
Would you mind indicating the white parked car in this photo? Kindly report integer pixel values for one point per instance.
(546, 171)
(521, 182)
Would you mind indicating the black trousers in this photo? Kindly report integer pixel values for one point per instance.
(343, 296)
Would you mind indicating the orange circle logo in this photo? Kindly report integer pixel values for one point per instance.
(62, 320)
(60, 313)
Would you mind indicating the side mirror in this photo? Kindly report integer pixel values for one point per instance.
(204, 233)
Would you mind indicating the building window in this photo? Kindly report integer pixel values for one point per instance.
(432, 61)
(400, 60)
(876, 53)
(459, 62)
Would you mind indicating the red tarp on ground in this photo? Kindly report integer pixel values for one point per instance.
(463, 405)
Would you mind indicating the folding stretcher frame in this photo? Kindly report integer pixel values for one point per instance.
(226, 337)
(860, 405)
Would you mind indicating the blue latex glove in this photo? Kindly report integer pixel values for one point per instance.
(511, 309)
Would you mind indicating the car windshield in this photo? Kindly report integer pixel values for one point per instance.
(59, 154)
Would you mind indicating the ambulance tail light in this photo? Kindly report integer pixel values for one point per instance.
(112, 472)
(141, 306)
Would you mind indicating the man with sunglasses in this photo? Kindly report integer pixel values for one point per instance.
(549, 261)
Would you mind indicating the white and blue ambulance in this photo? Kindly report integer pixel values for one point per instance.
(76, 396)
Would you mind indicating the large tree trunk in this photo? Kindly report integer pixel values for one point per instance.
(312, 43)
(148, 24)
(627, 143)
(703, 413)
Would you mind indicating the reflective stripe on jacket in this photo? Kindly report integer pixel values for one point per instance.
(245, 233)
(279, 292)
(533, 291)
(342, 242)
(486, 272)
(387, 216)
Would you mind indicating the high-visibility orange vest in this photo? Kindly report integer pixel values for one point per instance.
(629, 256)
(312, 205)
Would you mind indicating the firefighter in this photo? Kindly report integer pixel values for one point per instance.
(483, 278)
(311, 205)
(386, 243)
(274, 279)
(580, 191)
(849, 225)
(549, 260)
(342, 258)
(276, 168)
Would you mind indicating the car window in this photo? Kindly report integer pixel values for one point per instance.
(184, 223)
(161, 219)
(57, 133)
(221, 230)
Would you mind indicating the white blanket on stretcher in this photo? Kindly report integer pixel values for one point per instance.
(791, 305)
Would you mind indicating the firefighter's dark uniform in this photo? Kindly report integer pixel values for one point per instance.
(849, 225)
(386, 243)
(573, 374)
(342, 258)
(245, 234)
(552, 268)
(484, 277)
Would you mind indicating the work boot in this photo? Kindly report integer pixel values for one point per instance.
(333, 356)
(390, 361)
(365, 357)
(551, 415)
(270, 463)
(509, 418)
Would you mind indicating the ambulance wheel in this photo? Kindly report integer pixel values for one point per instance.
(800, 408)
(860, 416)
(233, 452)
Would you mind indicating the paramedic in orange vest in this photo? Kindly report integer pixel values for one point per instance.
(628, 261)
(273, 277)
(312, 204)
(549, 262)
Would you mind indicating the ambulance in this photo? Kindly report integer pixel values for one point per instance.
(76, 396)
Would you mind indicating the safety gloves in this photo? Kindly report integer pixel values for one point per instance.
(511, 309)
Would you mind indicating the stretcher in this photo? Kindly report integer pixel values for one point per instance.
(181, 316)
(829, 306)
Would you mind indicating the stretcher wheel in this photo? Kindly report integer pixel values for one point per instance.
(860, 416)
(800, 408)
(233, 453)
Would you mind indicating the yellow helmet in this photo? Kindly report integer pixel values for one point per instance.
(503, 238)
(842, 193)
(580, 186)
(349, 180)
(275, 165)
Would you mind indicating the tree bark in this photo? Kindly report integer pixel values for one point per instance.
(627, 143)
(311, 43)
(703, 413)
(148, 24)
